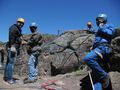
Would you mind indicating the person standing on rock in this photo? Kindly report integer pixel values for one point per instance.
(34, 51)
(13, 45)
(90, 28)
(100, 52)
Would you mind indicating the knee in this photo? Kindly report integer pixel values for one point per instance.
(91, 56)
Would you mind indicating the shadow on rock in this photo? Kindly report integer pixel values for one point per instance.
(85, 83)
(115, 64)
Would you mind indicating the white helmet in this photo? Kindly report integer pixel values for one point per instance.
(103, 17)
(33, 25)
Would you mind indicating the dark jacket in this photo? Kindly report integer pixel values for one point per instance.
(35, 42)
(15, 36)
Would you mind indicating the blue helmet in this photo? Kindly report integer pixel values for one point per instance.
(103, 17)
(33, 25)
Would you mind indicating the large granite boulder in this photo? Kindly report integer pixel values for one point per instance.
(115, 55)
(64, 53)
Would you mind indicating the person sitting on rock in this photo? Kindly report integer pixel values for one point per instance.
(101, 49)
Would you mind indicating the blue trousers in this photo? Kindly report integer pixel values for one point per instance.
(8, 73)
(33, 67)
(93, 60)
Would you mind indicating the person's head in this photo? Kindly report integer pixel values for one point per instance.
(33, 27)
(89, 24)
(20, 22)
(101, 19)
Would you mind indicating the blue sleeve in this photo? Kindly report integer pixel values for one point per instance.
(107, 31)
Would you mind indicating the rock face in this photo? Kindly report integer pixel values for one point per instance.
(115, 55)
(65, 52)
(62, 54)
(58, 56)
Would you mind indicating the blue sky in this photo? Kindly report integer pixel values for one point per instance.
(53, 15)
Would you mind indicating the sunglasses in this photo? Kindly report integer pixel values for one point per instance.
(20, 23)
(100, 21)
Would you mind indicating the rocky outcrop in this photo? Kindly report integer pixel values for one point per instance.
(115, 55)
(64, 53)
(61, 55)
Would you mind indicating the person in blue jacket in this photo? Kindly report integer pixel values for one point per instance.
(101, 50)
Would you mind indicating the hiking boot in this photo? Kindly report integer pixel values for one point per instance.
(29, 81)
(11, 81)
(105, 81)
